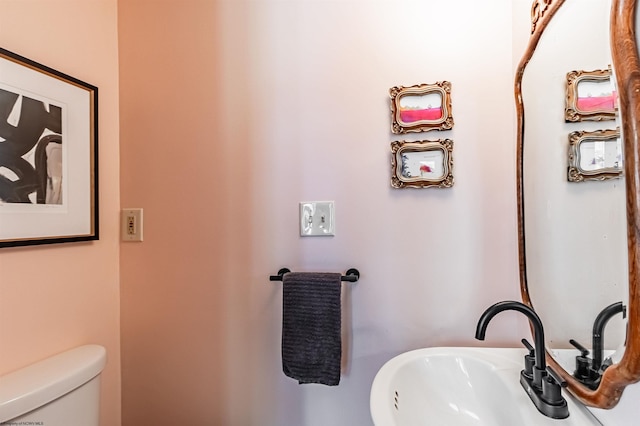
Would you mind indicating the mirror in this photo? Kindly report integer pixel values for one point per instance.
(574, 208)
(577, 241)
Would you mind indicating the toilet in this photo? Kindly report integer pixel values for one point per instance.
(63, 390)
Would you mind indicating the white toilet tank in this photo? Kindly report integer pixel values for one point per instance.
(63, 390)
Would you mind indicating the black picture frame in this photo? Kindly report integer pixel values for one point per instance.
(48, 155)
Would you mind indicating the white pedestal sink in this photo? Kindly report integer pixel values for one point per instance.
(460, 386)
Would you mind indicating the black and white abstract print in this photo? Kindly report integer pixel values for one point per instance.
(31, 155)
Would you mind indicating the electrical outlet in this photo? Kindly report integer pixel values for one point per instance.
(131, 224)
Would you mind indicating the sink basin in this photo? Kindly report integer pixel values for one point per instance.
(460, 386)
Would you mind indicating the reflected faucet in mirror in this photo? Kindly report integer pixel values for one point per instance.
(541, 383)
(589, 371)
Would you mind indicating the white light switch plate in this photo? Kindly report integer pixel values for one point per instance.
(317, 218)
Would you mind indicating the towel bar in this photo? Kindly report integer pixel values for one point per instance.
(352, 275)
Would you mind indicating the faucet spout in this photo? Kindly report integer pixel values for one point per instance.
(536, 323)
(598, 331)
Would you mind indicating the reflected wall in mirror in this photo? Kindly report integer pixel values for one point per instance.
(573, 238)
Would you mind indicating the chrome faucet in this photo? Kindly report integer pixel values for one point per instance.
(542, 384)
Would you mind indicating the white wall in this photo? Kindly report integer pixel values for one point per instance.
(317, 76)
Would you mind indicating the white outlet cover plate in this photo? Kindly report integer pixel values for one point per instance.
(317, 219)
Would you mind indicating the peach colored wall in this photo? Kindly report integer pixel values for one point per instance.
(232, 112)
(173, 309)
(58, 297)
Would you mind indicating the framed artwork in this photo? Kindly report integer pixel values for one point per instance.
(595, 155)
(591, 96)
(422, 164)
(48, 155)
(421, 108)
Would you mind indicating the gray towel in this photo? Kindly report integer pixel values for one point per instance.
(311, 338)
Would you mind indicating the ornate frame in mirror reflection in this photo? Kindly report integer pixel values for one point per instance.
(594, 155)
(582, 104)
(626, 65)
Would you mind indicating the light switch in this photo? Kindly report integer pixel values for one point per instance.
(317, 218)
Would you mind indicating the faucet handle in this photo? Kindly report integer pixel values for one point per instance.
(552, 388)
(583, 371)
(558, 378)
(527, 345)
(583, 351)
(529, 359)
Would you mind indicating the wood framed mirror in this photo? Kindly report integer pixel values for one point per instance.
(626, 70)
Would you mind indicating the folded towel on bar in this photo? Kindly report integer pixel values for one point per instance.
(311, 331)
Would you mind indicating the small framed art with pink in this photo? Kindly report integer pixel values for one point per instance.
(591, 96)
(421, 108)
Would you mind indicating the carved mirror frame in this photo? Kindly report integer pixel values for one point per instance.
(626, 65)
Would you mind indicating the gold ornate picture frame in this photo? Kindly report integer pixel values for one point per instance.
(422, 164)
(591, 96)
(595, 155)
(421, 108)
